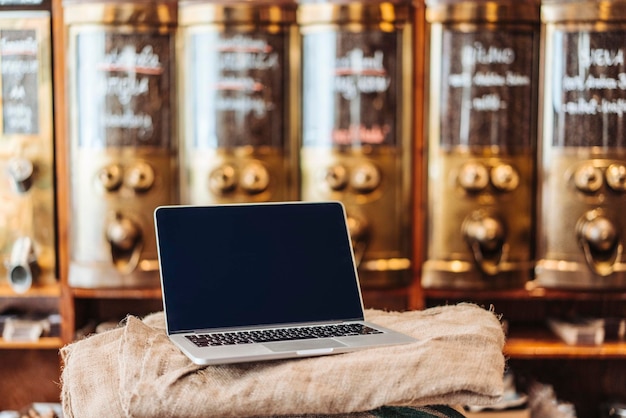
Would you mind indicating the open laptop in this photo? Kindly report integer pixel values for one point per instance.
(262, 281)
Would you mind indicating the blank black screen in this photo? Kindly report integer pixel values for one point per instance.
(237, 265)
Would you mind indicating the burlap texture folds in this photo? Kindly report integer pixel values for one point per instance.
(134, 371)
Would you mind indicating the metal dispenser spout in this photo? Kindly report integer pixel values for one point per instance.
(23, 267)
(599, 239)
(125, 237)
(21, 171)
(486, 237)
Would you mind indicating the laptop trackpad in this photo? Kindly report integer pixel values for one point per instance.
(304, 345)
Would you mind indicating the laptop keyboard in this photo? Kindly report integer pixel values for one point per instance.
(280, 334)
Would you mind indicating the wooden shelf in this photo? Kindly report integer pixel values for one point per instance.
(45, 298)
(529, 292)
(50, 290)
(521, 348)
(116, 293)
(541, 343)
(44, 343)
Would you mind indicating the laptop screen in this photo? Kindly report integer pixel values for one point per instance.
(255, 264)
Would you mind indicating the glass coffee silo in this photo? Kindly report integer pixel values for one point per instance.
(27, 192)
(357, 126)
(122, 136)
(582, 177)
(238, 100)
(481, 94)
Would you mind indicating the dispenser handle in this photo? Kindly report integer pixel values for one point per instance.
(485, 236)
(125, 239)
(598, 238)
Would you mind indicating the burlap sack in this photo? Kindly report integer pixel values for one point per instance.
(134, 371)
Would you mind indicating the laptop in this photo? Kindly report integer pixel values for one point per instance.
(262, 281)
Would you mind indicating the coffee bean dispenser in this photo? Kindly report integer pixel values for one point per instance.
(582, 181)
(122, 135)
(483, 65)
(239, 101)
(357, 126)
(27, 227)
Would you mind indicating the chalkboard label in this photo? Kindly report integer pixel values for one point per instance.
(20, 87)
(123, 89)
(589, 89)
(350, 88)
(237, 88)
(487, 89)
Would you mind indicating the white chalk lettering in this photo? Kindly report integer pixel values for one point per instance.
(27, 46)
(617, 107)
(242, 61)
(488, 103)
(621, 83)
(356, 60)
(600, 83)
(515, 79)
(581, 107)
(576, 83)
(125, 88)
(371, 84)
(127, 59)
(460, 80)
(18, 117)
(356, 73)
(477, 53)
(244, 43)
(128, 120)
(244, 104)
(244, 54)
(601, 57)
(489, 79)
(19, 67)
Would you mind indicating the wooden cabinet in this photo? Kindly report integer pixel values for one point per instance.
(584, 375)
(42, 300)
(91, 308)
(29, 370)
(27, 206)
(27, 374)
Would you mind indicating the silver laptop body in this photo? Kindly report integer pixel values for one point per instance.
(232, 275)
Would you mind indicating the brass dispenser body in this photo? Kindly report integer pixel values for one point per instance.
(483, 60)
(582, 180)
(357, 130)
(27, 192)
(122, 134)
(238, 100)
